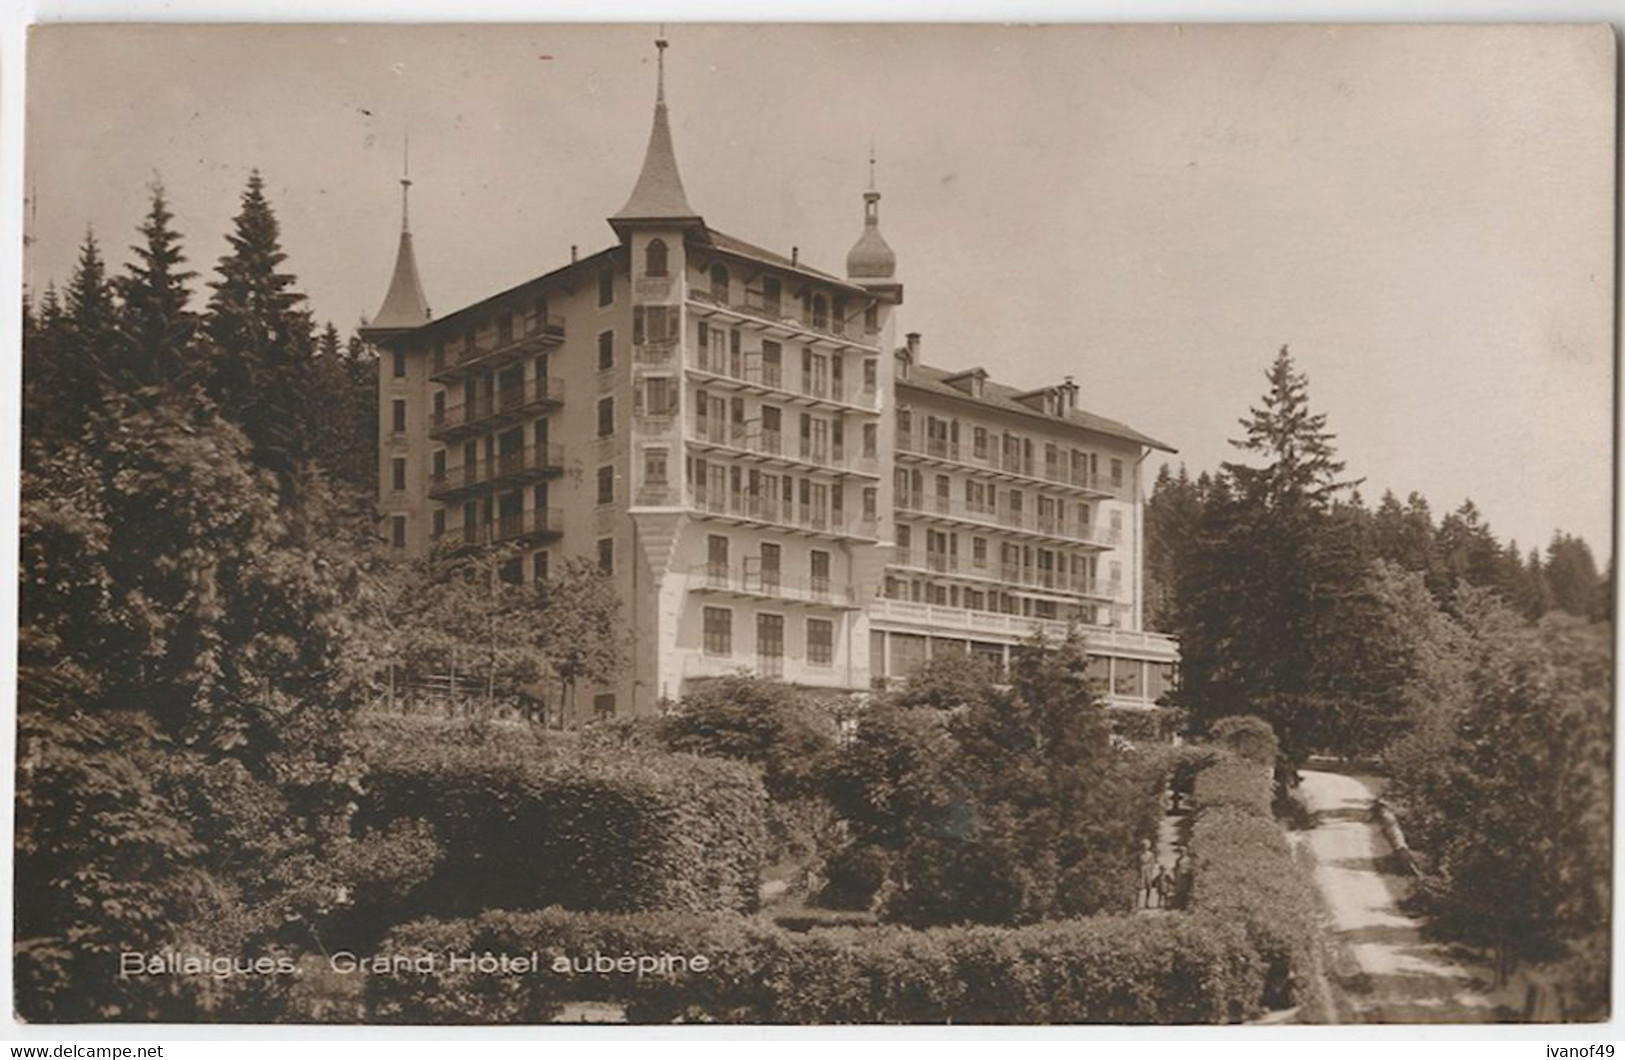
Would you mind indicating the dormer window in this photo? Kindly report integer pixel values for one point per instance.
(903, 361)
(654, 258)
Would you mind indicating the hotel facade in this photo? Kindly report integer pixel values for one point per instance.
(778, 482)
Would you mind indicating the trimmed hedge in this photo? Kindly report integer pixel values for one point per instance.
(522, 825)
(1154, 970)
(1245, 874)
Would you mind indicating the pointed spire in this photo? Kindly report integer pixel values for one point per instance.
(405, 305)
(871, 258)
(658, 195)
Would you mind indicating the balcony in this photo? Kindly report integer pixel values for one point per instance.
(752, 441)
(749, 373)
(1008, 466)
(1002, 517)
(748, 583)
(536, 524)
(773, 316)
(494, 411)
(530, 464)
(1006, 575)
(654, 354)
(772, 512)
(536, 333)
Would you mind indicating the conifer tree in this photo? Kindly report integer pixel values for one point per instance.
(1275, 596)
(262, 340)
(157, 330)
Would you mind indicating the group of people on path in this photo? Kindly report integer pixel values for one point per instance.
(1163, 886)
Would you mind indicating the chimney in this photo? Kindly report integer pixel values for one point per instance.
(913, 346)
(574, 253)
(1070, 391)
(795, 256)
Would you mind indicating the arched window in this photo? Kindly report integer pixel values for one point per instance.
(654, 258)
(719, 283)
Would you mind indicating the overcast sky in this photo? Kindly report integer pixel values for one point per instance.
(1424, 214)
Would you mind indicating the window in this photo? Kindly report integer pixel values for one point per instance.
(538, 566)
(978, 551)
(654, 467)
(1117, 473)
(440, 522)
(719, 283)
(870, 375)
(654, 323)
(654, 258)
(603, 704)
(659, 396)
(870, 495)
(397, 421)
(871, 318)
(397, 473)
(719, 631)
(504, 329)
(397, 531)
(606, 555)
(770, 643)
(606, 484)
(606, 417)
(820, 641)
(606, 287)
(400, 364)
(870, 434)
(439, 462)
(820, 571)
(606, 350)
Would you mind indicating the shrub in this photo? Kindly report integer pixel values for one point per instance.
(854, 875)
(1245, 874)
(1234, 783)
(1246, 735)
(767, 723)
(520, 826)
(1187, 969)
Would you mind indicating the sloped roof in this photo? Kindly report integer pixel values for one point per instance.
(658, 194)
(1003, 398)
(739, 248)
(405, 305)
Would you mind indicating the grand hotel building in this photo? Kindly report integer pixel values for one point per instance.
(776, 482)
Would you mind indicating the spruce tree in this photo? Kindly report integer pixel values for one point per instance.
(69, 352)
(261, 337)
(1275, 600)
(157, 330)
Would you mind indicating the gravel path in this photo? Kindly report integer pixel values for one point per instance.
(1383, 969)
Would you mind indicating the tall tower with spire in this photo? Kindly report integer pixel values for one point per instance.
(658, 197)
(405, 306)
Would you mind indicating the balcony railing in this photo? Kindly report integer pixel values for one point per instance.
(1009, 574)
(990, 459)
(538, 522)
(760, 441)
(750, 369)
(771, 584)
(772, 510)
(1004, 517)
(489, 410)
(535, 332)
(526, 464)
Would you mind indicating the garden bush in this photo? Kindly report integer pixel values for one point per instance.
(1245, 874)
(519, 825)
(1248, 736)
(1187, 969)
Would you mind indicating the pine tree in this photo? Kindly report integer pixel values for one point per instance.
(1302, 472)
(262, 339)
(157, 330)
(1572, 572)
